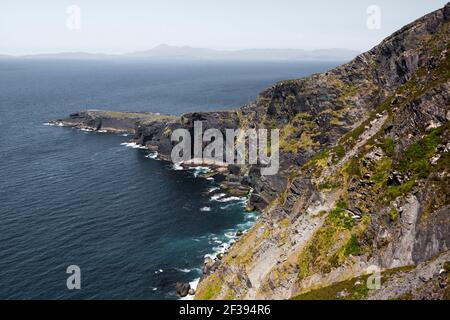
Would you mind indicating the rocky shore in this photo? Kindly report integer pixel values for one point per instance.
(110, 121)
(363, 179)
(153, 131)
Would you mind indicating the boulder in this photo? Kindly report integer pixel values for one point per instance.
(182, 289)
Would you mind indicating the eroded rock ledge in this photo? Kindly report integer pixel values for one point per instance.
(111, 121)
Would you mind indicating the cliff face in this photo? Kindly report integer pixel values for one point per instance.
(363, 177)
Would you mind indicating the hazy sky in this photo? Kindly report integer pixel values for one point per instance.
(117, 26)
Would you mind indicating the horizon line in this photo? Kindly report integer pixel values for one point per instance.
(87, 52)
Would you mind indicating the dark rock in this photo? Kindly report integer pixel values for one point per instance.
(395, 179)
(182, 289)
(234, 169)
(210, 266)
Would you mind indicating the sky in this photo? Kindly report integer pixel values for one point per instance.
(120, 26)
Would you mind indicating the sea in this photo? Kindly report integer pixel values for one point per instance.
(133, 225)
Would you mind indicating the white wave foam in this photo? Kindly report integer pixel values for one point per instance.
(211, 256)
(213, 189)
(199, 170)
(217, 196)
(49, 124)
(194, 283)
(183, 270)
(152, 155)
(177, 167)
(250, 216)
(221, 249)
(230, 235)
(132, 145)
(205, 209)
(228, 199)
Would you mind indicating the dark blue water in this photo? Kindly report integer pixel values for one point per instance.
(132, 224)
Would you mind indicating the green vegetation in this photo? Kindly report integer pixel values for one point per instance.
(212, 288)
(396, 191)
(298, 133)
(352, 247)
(289, 141)
(381, 172)
(438, 185)
(370, 181)
(393, 215)
(352, 289)
(353, 167)
(415, 161)
(339, 151)
(416, 158)
(340, 217)
(349, 139)
(447, 266)
(285, 223)
(328, 185)
(320, 157)
(348, 91)
(322, 253)
(388, 146)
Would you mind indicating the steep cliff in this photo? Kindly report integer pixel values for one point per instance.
(363, 180)
(364, 176)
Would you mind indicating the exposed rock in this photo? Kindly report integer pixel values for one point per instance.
(396, 220)
(363, 177)
(342, 294)
(112, 121)
(182, 289)
(396, 179)
(210, 266)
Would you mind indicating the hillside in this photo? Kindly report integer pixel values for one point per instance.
(363, 180)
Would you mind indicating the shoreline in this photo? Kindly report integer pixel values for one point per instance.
(232, 235)
(199, 169)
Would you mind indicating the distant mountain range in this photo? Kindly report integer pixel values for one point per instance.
(166, 52)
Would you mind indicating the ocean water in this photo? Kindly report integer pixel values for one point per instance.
(134, 225)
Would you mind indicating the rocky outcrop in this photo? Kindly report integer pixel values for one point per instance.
(365, 148)
(363, 177)
(113, 121)
(428, 280)
(182, 289)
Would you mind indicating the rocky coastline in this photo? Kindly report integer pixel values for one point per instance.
(363, 179)
(139, 126)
